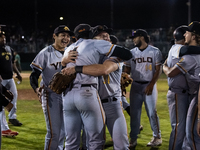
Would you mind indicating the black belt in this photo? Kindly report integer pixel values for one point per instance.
(183, 91)
(142, 82)
(106, 100)
(89, 85)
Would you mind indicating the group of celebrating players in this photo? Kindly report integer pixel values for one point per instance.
(77, 117)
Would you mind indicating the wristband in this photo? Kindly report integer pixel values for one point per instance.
(79, 69)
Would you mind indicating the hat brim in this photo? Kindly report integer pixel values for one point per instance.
(70, 32)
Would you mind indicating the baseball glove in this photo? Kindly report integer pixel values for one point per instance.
(60, 82)
(8, 95)
(125, 81)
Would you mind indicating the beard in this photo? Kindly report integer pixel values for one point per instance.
(138, 44)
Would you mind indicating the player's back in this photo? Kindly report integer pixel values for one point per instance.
(89, 53)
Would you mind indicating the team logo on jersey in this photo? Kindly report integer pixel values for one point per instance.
(56, 65)
(66, 28)
(6, 54)
(142, 60)
(181, 59)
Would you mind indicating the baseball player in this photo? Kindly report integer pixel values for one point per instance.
(109, 73)
(177, 96)
(189, 65)
(125, 104)
(82, 103)
(7, 59)
(5, 102)
(48, 62)
(81, 31)
(145, 68)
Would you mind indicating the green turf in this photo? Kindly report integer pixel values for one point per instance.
(32, 132)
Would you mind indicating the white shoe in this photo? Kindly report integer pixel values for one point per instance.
(155, 142)
(133, 143)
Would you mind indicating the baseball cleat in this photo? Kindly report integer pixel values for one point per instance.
(132, 143)
(15, 122)
(155, 142)
(141, 127)
(9, 133)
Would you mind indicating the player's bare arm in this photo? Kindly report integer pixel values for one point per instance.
(72, 55)
(198, 121)
(95, 69)
(170, 72)
(156, 75)
(19, 77)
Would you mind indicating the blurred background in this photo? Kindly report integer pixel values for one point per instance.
(30, 23)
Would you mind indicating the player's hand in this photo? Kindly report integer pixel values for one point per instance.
(69, 71)
(149, 89)
(198, 127)
(39, 93)
(70, 57)
(19, 77)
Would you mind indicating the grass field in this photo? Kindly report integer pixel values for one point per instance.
(32, 132)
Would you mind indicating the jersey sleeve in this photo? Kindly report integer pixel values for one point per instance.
(104, 47)
(158, 57)
(186, 63)
(39, 61)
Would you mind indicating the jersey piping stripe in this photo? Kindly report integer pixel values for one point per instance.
(193, 123)
(110, 50)
(49, 145)
(36, 66)
(103, 115)
(176, 111)
(178, 51)
(182, 68)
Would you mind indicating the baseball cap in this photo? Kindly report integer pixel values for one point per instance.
(194, 27)
(81, 29)
(139, 32)
(113, 39)
(100, 28)
(63, 28)
(179, 32)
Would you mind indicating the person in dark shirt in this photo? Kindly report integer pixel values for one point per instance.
(6, 72)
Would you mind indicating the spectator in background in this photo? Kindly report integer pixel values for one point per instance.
(17, 61)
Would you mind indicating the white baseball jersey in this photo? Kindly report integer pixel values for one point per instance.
(89, 53)
(48, 61)
(190, 64)
(143, 63)
(179, 81)
(109, 85)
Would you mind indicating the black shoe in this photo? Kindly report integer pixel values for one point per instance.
(15, 122)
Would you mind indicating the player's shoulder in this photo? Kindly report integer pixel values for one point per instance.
(151, 47)
(46, 50)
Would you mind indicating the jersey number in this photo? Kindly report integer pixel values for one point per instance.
(148, 67)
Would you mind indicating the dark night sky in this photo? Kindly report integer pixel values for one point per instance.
(127, 14)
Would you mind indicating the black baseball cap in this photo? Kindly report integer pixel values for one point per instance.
(100, 28)
(82, 29)
(194, 27)
(139, 32)
(114, 39)
(179, 32)
(63, 28)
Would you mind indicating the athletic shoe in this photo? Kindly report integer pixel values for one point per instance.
(133, 143)
(141, 127)
(9, 133)
(15, 122)
(155, 142)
